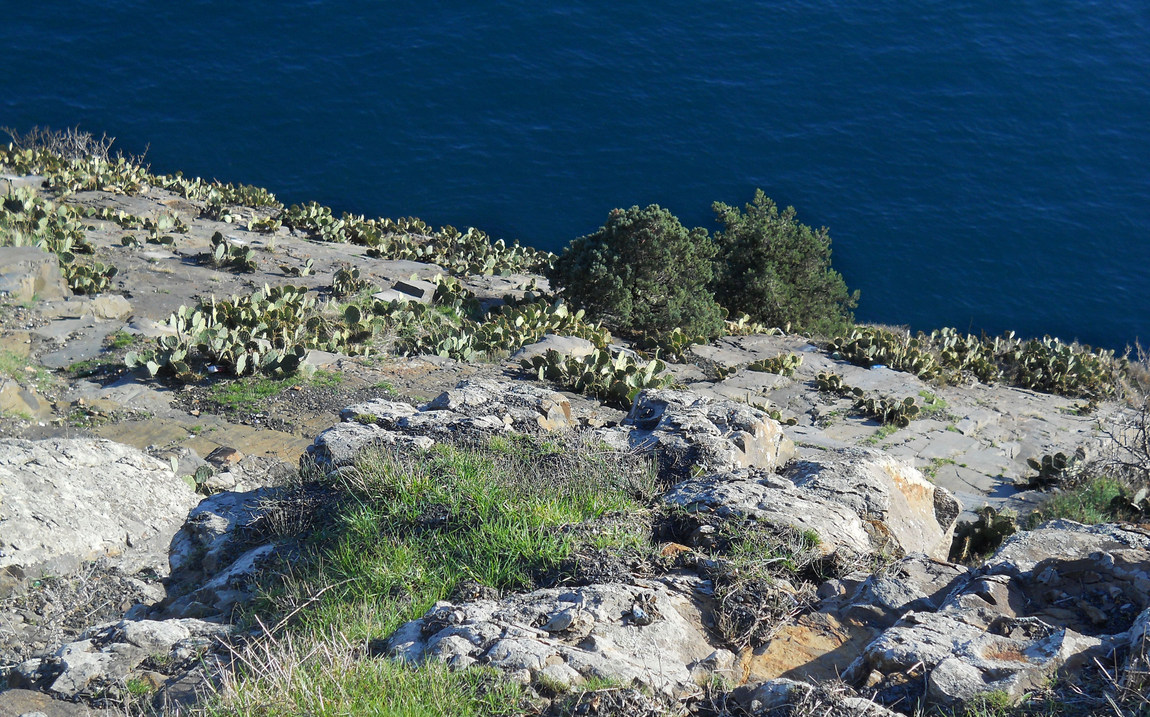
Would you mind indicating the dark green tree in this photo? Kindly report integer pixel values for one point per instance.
(642, 272)
(778, 271)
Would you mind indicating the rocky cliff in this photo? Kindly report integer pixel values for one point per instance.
(786, 552)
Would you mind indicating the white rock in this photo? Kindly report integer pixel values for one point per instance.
(63, 501)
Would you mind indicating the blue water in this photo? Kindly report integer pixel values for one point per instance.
(984, 165)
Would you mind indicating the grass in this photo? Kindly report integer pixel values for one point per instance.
(406, 530)
(138, 687)
(931, 471)
(385, 386)
(94, 366)
(325, 379)
(884, 432)
(120, 340)
(326, 676)
(15, 366)
(933, 406)
(1088, 504)
(20, 415)
(246, 394)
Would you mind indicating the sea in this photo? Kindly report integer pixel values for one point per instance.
(982, 165)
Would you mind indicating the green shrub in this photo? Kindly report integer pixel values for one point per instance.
(778, 271)
(642, 272)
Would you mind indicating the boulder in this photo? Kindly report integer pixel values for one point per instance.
(108, 306)
(28, 273)
(643, 633)
(408, 290)
(1047, 602)
(475, 408)
(522, 406)
(10, 182)
(816, 646)
(65, 501)
(961, 661)
(914, 583)
(29, 703)
(887, 493)
(339, 445)
(17, 400)
(563, 345)
(699, 431)
(853, 499)
(792, 697)
(213, 555)
(768, 498)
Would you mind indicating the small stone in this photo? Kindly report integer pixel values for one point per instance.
(560, 621)
(224, 457)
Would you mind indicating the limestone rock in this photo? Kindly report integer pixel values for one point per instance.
(962, 660)
(916, 582)
(17, 400)
(817, 646)
(602, 640)
(476, 408)
(212, 561)
(853, 499)
(232, 586)
(29, 703)
(110, 653)
(28, 273)
(523, 406)
(9, 182)
(63, 501)
(917, 515)
(1048, 601)
(716, 435)
(564, 345)
(338, 446)
(787, 696)
(108, 306)
(408, 290)
(771, 499)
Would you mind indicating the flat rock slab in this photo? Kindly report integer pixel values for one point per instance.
(28, 273)
(64, 501)
(988, 431)
(84, 344)
(22, 401)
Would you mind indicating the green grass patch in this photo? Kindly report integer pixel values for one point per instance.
(1090, 503)
(249, 393)
(884, 432)
(93, 366)
(323, 676)
(121, 340)
(404, 531)
(933, 406)
(21, 415)
(931, 471)
(246, 394)
(385, 386)
(499, 514)
(325, 379)
(14, 366)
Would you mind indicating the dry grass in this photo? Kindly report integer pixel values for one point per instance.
(70, 143)
(322, 675)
